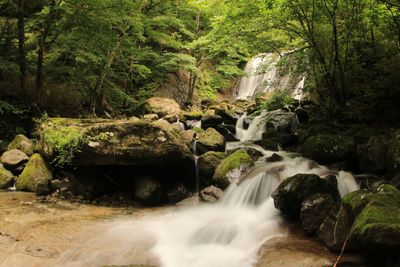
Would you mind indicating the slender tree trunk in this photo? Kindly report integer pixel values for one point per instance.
(40, 52)
(21, 44)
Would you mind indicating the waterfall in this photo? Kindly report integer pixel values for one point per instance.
(254, 131)
(265, 74)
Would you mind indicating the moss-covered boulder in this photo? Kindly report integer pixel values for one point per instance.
(372, 156)
(96, 142)
(36, 176)
(377, 219)
(207, 163)
(162, 106)
(6, 178)
(329, 148)
(291, 193)
(23, 143)
(234, 161)
(14, 160)
(372, 221)
(210, 140)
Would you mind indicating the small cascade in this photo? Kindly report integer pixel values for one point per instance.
(196, 159)
(255, 130)
(346, 183)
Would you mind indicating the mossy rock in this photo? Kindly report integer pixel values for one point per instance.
(377, 225)
(6, 178)
(36, 176)
(291, 193)
(23, 143)
(329, 148)
(207, 164)
(162, 106)
(192, 115)
(210, 140)
(232, 162)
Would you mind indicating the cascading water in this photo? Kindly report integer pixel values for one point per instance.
(263, 75)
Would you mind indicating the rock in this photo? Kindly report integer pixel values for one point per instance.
(335, 228)
(232, 162)
(98, 142)
(150, 117)
(290, 194)
(210, 140)
(192, 115)
(36, 176)
(207, 164)
(252, 152)
(228, 132)
(6, 178)
(177, 193)
(313, 211)
(14, 160)
(211, 121)
(302, 114)
(162, 106)
(147, 190)
(370, 220)
(282, 121)
(329, 148)
(274, 158)
(211, 194)
(396, 181)
(372, 157)
(269, 144)
(188, 135)
(376, 226)
(22, 143)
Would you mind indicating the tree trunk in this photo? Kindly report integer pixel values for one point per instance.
(40, 52)
(21, 44)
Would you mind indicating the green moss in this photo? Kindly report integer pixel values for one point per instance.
(234, 161)
(211, 137)
(192, 115)
(21, 142)
(63, 138)
(35, 176)
(6, 178)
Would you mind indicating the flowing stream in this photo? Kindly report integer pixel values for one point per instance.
(228, 233)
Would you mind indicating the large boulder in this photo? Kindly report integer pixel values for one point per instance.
(23, 143)
(210, 140)
(329, 148)
(211, 121)
(14, 160)
(291, 193)
(313, 211)
(207, 163)
(97, 142)
(162, 106)
(369, 219)
(282, 121)
(6, 178)
(36, 176)
(235, 161)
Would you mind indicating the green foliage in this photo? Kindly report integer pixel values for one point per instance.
(63, 141)
(279, 100)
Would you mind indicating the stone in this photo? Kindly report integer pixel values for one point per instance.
(162, 106)
(14, 159)
(211, 121)
(36, 176)
(150, 117)
(269, 144)
(228, 132)
(233, 162)
(313, 211)
(329, 148)
(118, 142)
(207, 164)
(6, 178)
(211, 194)
(335, 228)
(210, 140)
(22, 143)
(291, 193)
(147, 190)
(274, 158)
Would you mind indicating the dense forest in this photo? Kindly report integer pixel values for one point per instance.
(73, 57)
